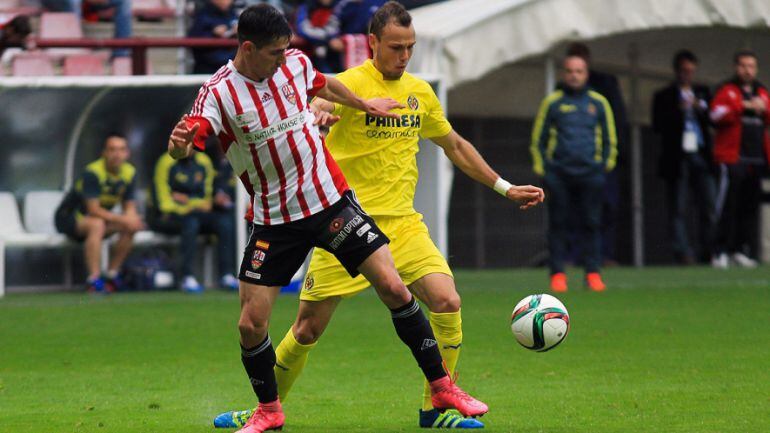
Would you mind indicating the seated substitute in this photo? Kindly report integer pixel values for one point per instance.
(86, 213)
(182, 205)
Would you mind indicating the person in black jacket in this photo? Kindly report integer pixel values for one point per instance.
(214, 19)
(680, 116)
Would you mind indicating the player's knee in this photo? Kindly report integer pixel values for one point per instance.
(306, 332)
(397, 292)
(449, 303)
(129, 231)
(95, 227)
(249, 328)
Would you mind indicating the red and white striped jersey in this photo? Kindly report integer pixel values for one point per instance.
(266, 131)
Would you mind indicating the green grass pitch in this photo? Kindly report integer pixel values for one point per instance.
(664, 350)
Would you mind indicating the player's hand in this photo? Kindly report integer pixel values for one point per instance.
(220, 31)
(323, 118)
(529, 195)
(337, 45)
(382, 107)
(182, 137)
(222, 200)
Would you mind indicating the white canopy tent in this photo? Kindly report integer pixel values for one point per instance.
(498, 57)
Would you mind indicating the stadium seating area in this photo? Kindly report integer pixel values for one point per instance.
(142, 9)
(34, 228)
(151, 18)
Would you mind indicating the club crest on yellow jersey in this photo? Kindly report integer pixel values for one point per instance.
(413, 103)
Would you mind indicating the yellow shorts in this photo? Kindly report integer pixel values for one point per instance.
(413, 251)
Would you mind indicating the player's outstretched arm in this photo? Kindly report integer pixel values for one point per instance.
(335, 91)
(180, 143)
(465, 156)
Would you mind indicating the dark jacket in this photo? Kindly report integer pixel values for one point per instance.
(355, 15)
(193, 176)
(668, 123)
(607, 85)
(98, 183)
(574, 133)
(209, 60)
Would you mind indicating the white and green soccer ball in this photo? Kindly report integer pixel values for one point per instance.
(540, 322)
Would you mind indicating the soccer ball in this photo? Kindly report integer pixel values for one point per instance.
(540, 322)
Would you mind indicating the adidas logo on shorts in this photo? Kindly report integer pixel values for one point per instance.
(371, 237)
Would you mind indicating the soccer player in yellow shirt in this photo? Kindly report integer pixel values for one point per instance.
(378, 157)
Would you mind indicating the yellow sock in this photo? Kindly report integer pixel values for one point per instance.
(449, 334)
(290, 359)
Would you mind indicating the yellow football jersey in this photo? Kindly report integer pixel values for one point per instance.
(377, 154)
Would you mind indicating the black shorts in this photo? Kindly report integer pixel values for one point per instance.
(66, 223)
(275, 252)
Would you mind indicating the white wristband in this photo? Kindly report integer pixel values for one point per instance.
(502, 186)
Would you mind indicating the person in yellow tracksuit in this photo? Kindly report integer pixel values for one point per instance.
(378, 157)
(182, 201)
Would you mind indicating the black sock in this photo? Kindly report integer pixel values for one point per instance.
(415, 331)
(259, 362)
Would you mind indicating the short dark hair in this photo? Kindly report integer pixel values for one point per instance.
(262, 24)
(579, 49)
(683, 56)
(112, 134)
(745, 52)
(20, 25)
(391, 11)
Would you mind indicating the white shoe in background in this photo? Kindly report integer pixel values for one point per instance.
(229, 282)
(720, 261)
(191, 285)
(744, 261)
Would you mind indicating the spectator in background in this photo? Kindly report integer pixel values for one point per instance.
(282, 6)
(353, 40)
(122, 17)
(354, 15)
(224, 190)
(224, 187)
(317, 25)
(412, 4)
(680, 118)
(14, 33)
(182, 202)
(86, 213)
(216, 19)
(742, 150)
(607, 85)
(573, 145)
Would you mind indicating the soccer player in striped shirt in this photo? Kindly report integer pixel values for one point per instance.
(378, 156)
(258, 106)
